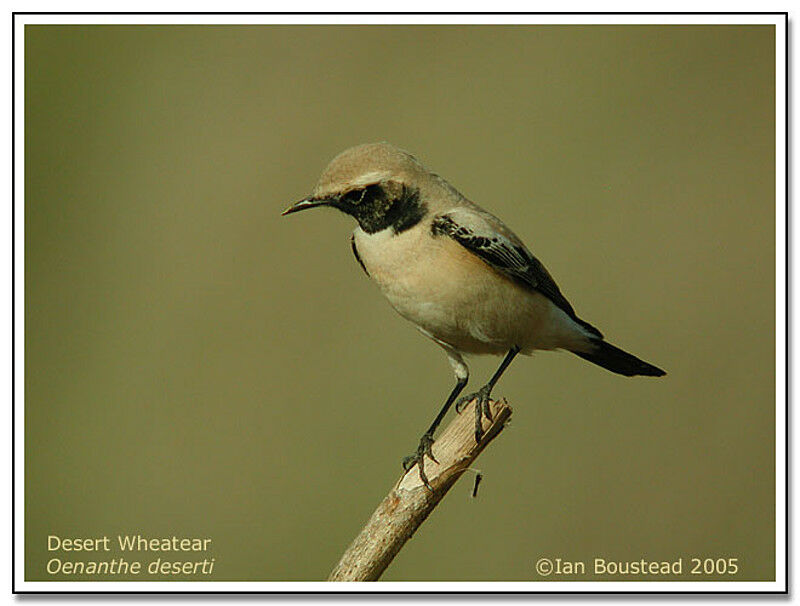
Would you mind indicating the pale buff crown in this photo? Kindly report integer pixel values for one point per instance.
(375, 162)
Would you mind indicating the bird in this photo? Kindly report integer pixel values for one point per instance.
(456, 272)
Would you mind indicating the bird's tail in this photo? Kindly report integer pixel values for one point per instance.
(618, 361)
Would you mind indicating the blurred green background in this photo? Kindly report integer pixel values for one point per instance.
(197, 365)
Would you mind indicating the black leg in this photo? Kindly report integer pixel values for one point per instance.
(426, 442)
(450, 399)
(503, 365)
(482, 395)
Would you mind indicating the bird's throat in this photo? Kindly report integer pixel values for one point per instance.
(399, 214)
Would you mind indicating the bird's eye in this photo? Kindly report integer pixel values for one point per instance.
(354, 197)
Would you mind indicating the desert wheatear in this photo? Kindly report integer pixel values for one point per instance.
(456, 271)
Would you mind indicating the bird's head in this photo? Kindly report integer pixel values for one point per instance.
(376, 183)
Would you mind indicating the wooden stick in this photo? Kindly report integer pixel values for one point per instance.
(409, 503)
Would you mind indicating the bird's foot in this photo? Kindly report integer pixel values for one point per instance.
(418, 458)
(482, 408)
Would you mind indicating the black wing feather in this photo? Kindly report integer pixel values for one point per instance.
(510, 259)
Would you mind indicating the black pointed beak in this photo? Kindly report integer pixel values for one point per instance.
(304, 204)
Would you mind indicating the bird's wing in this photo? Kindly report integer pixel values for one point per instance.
(485, 236)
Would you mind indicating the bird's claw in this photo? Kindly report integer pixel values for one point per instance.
(427, 442)
(424, 449)
(462, 402)
(482, 408)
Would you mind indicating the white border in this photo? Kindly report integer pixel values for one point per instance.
(422, 19)
(533, 586)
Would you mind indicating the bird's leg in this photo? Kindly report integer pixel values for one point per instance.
(426, 442)
(482, 395)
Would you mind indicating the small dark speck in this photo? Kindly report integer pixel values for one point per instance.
(478, 478)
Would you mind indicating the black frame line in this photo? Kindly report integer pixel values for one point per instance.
(788, 385)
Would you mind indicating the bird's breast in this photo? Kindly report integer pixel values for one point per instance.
(392, 260)
(455, 297)
(433, 282)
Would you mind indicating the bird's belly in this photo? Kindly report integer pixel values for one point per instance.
(477, 319)
(456, 298)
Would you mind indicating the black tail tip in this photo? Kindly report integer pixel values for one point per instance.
(619, 361)
(648, 370)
